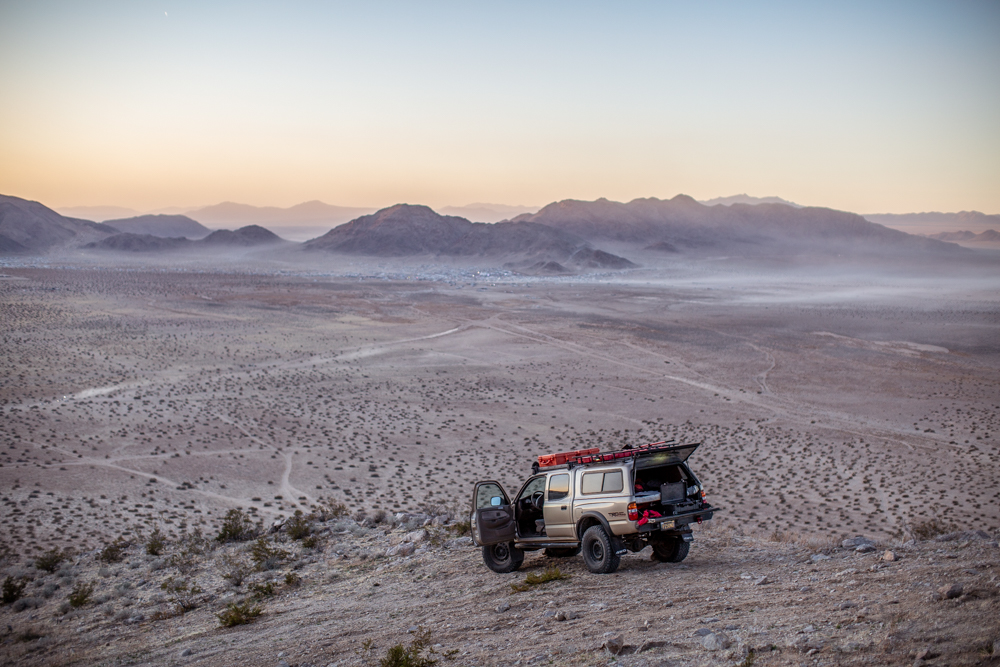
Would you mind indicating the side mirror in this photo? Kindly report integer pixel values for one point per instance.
(496, 501)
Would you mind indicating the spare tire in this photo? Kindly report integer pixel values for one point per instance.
(671, 550)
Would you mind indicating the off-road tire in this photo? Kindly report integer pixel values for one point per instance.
(503, 557)
(598, 552)
(563, 553)
(671, 550)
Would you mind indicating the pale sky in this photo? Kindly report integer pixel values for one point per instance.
(861, 106)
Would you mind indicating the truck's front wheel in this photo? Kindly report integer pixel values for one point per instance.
(671, 550)
(598, 554)
(502, 557)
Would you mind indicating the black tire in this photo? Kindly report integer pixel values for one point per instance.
(671, 550)
(503, 557)
(562, 553)
(598, 553)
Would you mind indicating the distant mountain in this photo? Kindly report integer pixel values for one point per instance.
(98, 213)
(989, 237)
(685, 224)
(28, 226)
(487, 212)
(244, 237)
(747, 199)
(406, 230)
(230, 214)
(165, 226)
(933, 222)
(251, 235)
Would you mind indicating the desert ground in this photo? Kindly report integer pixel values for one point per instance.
(831, 402)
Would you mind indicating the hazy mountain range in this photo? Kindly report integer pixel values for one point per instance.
(562, 236)
(933, 223)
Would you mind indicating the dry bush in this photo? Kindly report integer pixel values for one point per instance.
(266, 556)
(239, 614)
(114, 552)
(532, 580)
(326, 509)
(402, 656)
(183, 594)
(298, 526)
(156, 543)
(51, 560)
(237, 526)
(234, 570)
(13, 590)
(81, 594)
(929, 529)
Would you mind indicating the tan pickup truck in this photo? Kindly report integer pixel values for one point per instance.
(603, 504)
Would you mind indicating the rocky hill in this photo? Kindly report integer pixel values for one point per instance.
(245, 237)
(164, 226)
(688, 225)
(30, 227)
(406, 230)
(324, 590)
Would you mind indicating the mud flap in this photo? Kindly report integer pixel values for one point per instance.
(618, 545)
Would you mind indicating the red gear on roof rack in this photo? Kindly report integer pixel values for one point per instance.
(606, 457)
(546, 460)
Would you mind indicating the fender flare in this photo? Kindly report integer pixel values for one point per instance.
(601, 519)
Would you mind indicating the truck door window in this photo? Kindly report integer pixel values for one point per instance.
(485, 493)
(602, 482)
(558, 487)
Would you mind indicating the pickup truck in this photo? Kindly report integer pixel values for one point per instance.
(603, 504)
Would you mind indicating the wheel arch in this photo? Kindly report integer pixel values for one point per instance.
(589, 519)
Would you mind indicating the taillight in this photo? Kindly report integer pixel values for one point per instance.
(702, 494)
(633, 512)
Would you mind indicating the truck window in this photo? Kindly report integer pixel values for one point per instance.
(558, 486)
(485, 493)
(603, 482)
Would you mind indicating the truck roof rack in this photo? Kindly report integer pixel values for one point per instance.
(630, 452)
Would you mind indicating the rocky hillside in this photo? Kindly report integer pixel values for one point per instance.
(334, 590)
(29, 227)
(406, 230)
(686, 224)
(245, 237)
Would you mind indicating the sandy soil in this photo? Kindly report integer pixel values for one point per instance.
(829, 404)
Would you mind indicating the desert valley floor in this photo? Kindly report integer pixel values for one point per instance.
(141, 397)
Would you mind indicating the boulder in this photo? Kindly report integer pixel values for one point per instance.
(716, 641)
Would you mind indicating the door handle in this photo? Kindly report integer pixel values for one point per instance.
(563, 507)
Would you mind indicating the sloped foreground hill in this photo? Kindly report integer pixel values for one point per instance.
(28, 226)
(353, 588)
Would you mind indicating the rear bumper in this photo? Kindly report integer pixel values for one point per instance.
(678, 520)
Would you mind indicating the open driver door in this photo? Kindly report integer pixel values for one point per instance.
(492, 515)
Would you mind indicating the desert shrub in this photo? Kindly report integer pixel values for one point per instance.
(930, 528)
(50, 589)
(239, 614)
(26, 603)
(51, 560)
(28, 635)
(550, 574)
(265, 555)
(292, 579)
(461, 527)
(237, 526)
(114, 552)
(183, 593)
(327, 509)
(402, 656)
(380, 516)
(156, 543)
(311, 542)
(298, 526)
(263, 590)
(234, 570)
(81, 594)
(13, 590)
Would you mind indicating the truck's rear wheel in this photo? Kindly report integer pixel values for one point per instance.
(502, 557)
(562, 553)
(598, 553)
(671, 550)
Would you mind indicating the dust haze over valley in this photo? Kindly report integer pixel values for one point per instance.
(843, 377)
